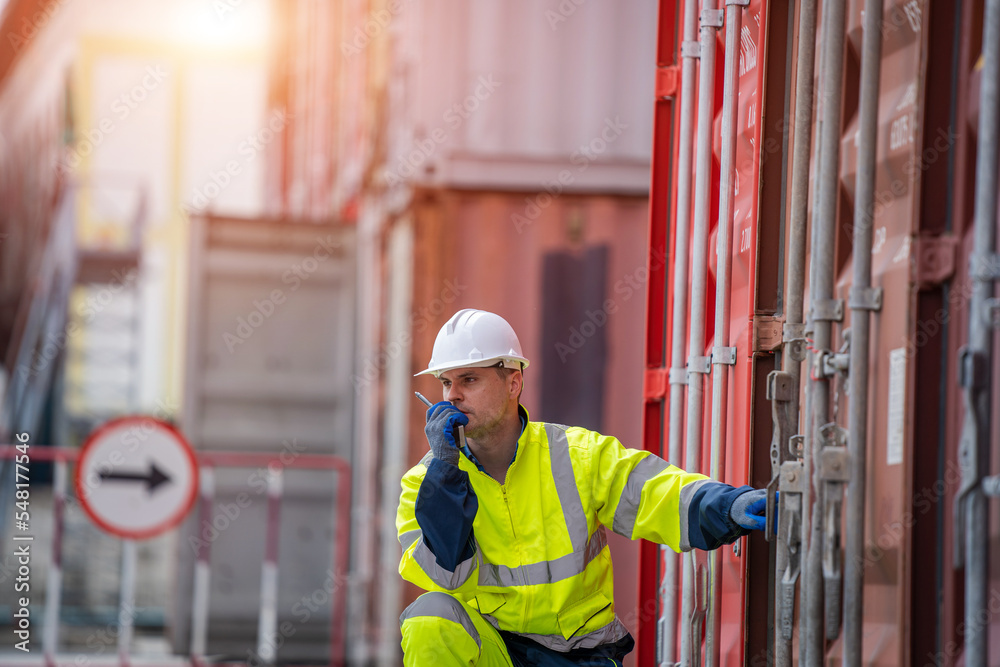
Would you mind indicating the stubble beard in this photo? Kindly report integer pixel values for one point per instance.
(483, 430)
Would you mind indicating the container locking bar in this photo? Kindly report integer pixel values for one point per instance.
(972, 529)
(696, 626)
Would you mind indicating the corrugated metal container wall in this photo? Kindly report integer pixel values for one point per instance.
(925, 161)
(35, 115)
(319, 81)
(501, 95)
(303, 88)
(912, 459)
(756, 225)
(572, 284)
(891, 411)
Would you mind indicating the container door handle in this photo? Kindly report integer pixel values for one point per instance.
(790, 504)
(835, 472)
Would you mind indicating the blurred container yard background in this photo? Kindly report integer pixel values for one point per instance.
(248, 219)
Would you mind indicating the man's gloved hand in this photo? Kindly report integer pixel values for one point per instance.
(443, 420)
(748, 509)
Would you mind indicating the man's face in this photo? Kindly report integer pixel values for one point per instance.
(481, 393)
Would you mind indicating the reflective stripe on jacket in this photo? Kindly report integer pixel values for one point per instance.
(535, 559)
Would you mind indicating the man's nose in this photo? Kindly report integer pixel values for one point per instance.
(452, 394)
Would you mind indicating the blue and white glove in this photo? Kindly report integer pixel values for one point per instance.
(441, 430)
(749, 508)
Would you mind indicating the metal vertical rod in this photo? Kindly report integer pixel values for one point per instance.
(53, 594)
(792, 347)
(202, 569)
(806, 587)
(977, 355)
(799, 196)
(341, 555)
(857, 416)
(126, 605)
(821, 293)
(668, 633)
(696, 321)
(723, 301)
(267, 623)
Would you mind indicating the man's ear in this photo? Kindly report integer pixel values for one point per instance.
(516, 383)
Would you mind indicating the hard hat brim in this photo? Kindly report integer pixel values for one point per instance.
(515, 363)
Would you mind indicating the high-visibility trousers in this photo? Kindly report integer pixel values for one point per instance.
(440, 630)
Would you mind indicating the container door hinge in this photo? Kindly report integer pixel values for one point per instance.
(795, 336)
(654, 384)
(667, 79)
(767, 333)
(935, 260)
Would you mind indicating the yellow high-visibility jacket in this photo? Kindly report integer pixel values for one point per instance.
(531, 554)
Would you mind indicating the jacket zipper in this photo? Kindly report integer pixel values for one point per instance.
(510, 517)
(517, 542)
(510, 520)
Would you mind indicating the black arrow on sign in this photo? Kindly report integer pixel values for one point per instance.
(153, 479)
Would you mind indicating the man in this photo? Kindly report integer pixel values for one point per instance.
(508, 532)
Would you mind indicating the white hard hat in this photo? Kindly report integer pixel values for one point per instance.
(475, 338)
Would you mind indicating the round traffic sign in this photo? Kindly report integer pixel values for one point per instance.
(136, 477)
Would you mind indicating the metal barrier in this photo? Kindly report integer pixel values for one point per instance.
(268, 615)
